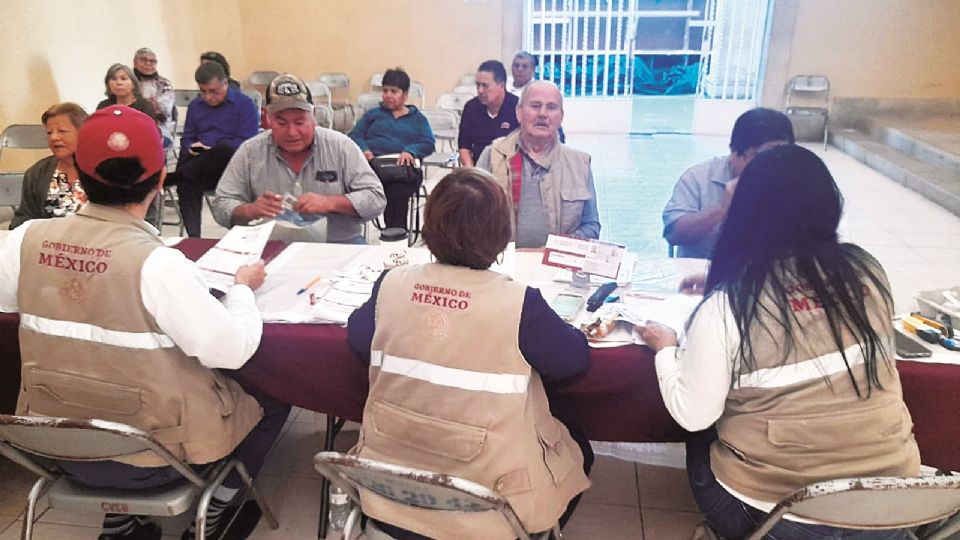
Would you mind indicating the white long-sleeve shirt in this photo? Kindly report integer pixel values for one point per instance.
(695, 378)
(220, 335)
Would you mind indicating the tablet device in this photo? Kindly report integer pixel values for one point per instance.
(908, 347)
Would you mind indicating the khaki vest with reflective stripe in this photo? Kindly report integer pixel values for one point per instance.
(451, 393)
(773, 441)
(81, 275)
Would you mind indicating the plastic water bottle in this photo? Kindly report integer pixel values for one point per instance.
(339, 508)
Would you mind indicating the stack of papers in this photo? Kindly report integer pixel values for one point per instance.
(240, 246)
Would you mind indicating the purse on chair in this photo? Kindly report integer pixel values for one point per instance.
(389, 171)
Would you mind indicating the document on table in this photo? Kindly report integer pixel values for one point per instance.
(240, 246)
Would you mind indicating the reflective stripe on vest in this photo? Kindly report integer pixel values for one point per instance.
(815, 368)
(95, 334)
(478, 381)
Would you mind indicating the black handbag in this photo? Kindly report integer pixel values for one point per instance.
(389, 172)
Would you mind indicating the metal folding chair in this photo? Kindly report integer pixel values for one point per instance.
(376, 82)
(466, 89)
(873, 503)
(11, 189)
(97, 440)
(324, 115)
(415, 487)
(321, 93)
(419, 93)
(453, 102)
(368, 101)
(814, 92)
(337, 82)
(23, 137)
(262, 78)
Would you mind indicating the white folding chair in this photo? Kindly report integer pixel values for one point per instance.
(262, 78)
(444, 124)
(339, 85)
(470, 79)
(324, 115)
(11, 189)
(367, 101)
(97, 440)
(466, 89)
(452, 102)
(320, 92)
(23, 137)
(414, 487)
(814, 92)
(873, 503)
(183, 96)
(376, 82)
(418, 92)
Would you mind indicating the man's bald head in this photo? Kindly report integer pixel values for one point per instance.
(540, 111)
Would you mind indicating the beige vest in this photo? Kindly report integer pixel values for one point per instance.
(81, 277)
(565, 187)
(450, 392)
(773, 441)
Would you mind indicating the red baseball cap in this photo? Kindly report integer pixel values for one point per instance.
(119, 132)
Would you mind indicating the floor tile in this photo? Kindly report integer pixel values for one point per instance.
(664, 488)
(669, 524)
(606, 522)
(17, 482)
(614, 482)
(296, 502)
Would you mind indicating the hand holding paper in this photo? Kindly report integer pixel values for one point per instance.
(657, 336)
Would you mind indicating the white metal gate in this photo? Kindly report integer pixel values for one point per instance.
(589, 47)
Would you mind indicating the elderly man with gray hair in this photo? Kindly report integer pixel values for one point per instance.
(550, 184)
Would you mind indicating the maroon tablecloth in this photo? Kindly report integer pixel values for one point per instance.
(616, 399)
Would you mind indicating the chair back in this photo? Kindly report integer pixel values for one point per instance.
(30, 143)
(324, 115)
(466, 89)
(73, 439)
(376, 82)
(452, 102)
(871, 503)
(262, 78)
(11, 189)
(335, 80)
(26, 136)
(413, 487)
(419, 93)
(256, 96)
(441, 119)
(320, 92)
(183, 96)
(470, 79)
(813, 91)
(367, 101)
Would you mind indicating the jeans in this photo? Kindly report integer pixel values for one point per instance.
(733, 519)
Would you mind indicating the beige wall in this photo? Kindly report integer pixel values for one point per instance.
(867, 48)
(52, 50)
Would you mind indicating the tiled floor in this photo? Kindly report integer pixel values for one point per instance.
(917, 241)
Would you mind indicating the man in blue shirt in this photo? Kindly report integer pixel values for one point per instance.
(218, 121)
(490, 115)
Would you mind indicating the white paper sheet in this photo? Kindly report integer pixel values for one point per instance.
(241, 245)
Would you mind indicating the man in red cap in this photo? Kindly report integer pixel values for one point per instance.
(116, 326)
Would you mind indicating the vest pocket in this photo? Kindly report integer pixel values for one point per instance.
(556, 448)
(571, 208)
(64, 394)
(429, 434)
(836, 431)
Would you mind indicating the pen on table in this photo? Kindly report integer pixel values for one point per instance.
(313, 282)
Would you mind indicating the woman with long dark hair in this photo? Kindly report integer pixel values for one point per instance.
(787, 364)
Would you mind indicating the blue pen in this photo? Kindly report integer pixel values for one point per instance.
(952, 344)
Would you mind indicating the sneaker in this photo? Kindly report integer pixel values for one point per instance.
(240, 522)
(143, 530)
